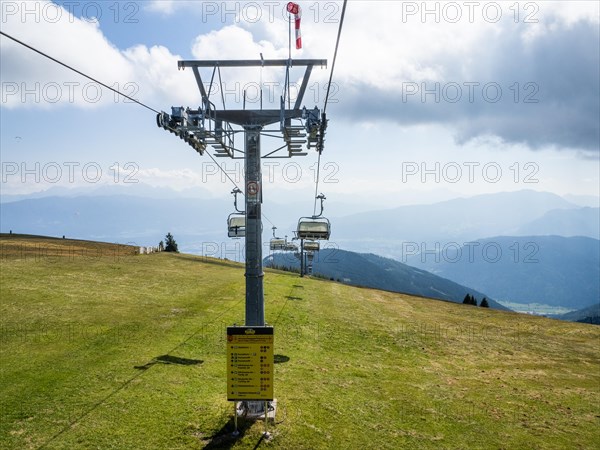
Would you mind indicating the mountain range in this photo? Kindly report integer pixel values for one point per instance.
(395, 231)
(566, 273)
(552, 270)
(591, 314)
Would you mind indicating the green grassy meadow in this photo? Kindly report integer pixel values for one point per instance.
(106, 349)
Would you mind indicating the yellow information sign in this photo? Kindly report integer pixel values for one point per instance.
(249, 363)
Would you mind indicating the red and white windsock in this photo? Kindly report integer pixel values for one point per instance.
(294, 8)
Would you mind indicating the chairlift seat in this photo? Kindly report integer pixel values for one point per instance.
(314, 228)
(277, 244)
(236, 225)
(312, 246)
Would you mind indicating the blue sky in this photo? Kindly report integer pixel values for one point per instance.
(427, 105)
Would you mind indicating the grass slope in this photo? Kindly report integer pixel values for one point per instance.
(128, 352)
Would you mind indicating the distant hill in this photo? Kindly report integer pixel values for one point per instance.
(196, 223)
(593, 201)
(33, 247)
(386, 232)
(131, 190)
(551, 270)
(565, 222)
(374, 271)
(591, 314)
(121, 218)
(112, 213)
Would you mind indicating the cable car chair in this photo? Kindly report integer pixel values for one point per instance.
(277, 243)
(236, 222)
(312, 246)
(316, 227)
(236, 225)
(290, 247)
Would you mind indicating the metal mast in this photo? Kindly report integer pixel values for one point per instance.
(255, 300)
(209, 126)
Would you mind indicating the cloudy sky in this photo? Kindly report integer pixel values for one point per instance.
(430, 100)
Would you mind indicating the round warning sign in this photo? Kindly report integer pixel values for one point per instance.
(252, 188)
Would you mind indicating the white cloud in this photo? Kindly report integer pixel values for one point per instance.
(162, 6)
(383, 45)
(29, 80)
(176, 178)
(147, 73)
(235, 42)
(159, 80)
(77, 42)
(232, 42)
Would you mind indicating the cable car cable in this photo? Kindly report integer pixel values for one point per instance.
(317, 184)
(337, 43)
(122, 94)
(78, 71)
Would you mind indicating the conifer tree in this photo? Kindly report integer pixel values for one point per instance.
(171, 245)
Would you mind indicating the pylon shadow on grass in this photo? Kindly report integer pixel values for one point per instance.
(224, 438)
(169, 359)
(278, 359)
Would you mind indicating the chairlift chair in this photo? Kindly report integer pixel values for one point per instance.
(312, 246)
(277, 244)
(314, 228)
(236, 225)
(236, 222)
(290, 247)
